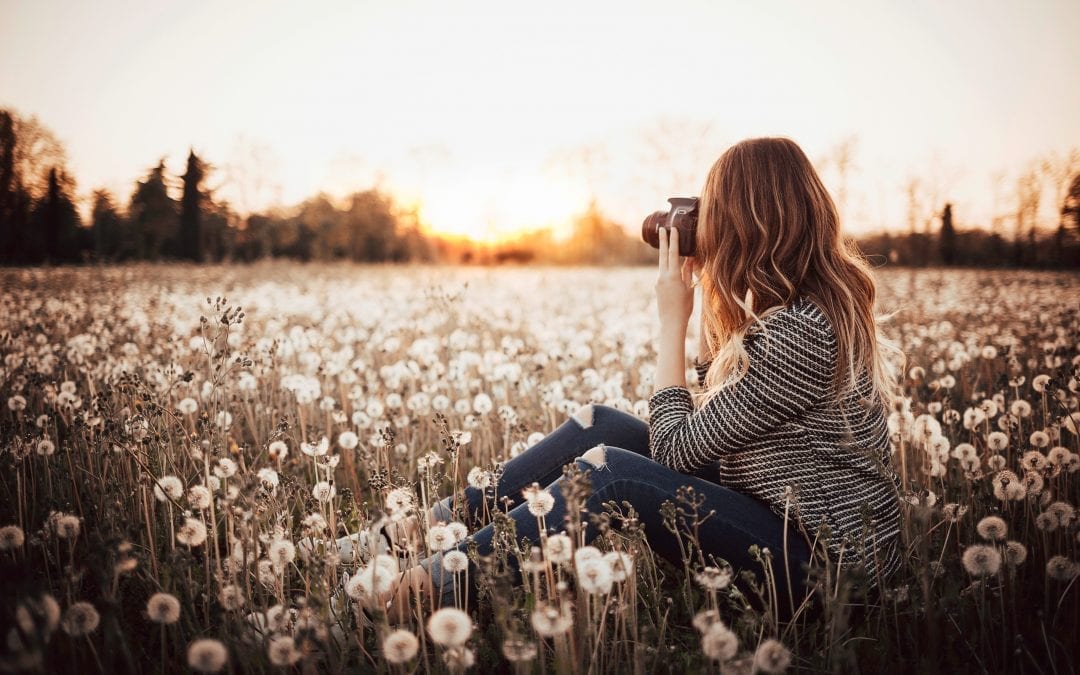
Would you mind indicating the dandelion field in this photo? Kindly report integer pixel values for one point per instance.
(173, 439)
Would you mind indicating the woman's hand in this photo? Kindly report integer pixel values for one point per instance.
(674, 285)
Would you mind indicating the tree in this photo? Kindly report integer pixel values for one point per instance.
(107, 225)
(57, 219)
(153, 214)
(190, 242)
(947, 240)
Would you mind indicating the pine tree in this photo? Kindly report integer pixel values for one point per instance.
(190, 244)
(947, 241)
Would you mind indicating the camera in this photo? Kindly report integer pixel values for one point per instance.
(682, 216)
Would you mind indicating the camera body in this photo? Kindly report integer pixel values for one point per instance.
(682, 216)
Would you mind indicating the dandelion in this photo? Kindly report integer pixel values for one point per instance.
(459, 658)
(231, 597)
(1039, 382)
(1007, 485)
(981, 560)
(558, 548)
(17, 403)
(323, 491)
(282, 651)
(1040, 439)
(1057, 456)
(207, 655)
(540, 501)
(482, 403)
(163, 608)
(449, 627)
(1062, 513)
(478, 478)
(1033, 460)
(1020, 408)
(192, 533)
(348, 440)
(373, 579)
(719, 642)
(278, 450)
(225, 467)
(268, 477)
(992, 528)
(772, 657)
(997, 441)
(458, 529)
(621, 565)
(1060, 568)
(11, 537)
(550, 620)
(400, 500)
(455, 561)
(594, 576)
(199, 497)
(400, 646)
(995, 462)
(168, 488)
(68, 526)
(187, 406)
(46, 447)
(713, 578)
(1014, 553)
(518, 650)
(80, 619)
(316, 449)
(461, 437)
(440, 538)
(282, 552)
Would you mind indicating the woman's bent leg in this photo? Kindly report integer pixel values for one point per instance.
(736, 522)
(543, 462)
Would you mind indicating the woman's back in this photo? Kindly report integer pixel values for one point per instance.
(776, 435)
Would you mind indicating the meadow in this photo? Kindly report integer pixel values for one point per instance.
(171, 436)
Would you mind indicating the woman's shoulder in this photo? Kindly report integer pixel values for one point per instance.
(802, 317)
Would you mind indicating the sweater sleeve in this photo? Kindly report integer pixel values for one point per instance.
(701, 367)
(791, 366)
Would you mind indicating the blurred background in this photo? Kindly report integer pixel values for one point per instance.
(510, 133)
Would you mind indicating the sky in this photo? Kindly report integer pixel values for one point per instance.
(492, 117)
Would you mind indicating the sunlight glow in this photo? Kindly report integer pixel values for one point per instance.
(495, 208)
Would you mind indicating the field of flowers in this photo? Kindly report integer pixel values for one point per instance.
(174, 438)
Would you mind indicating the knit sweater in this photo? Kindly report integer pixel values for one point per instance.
(776, 428)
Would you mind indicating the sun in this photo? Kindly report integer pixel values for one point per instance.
(494, 209)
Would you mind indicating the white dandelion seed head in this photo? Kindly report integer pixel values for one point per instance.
(348, 440)
(455, 561)
(163, 608)
(549, 620)
(981, 560)
(11, 537)
(323, 491)
(400, 646)
(449, 627)
(1014, 553)
(719, 642)
(621, 564)
(207, 655)
(594, 575)
(80, 619)
(772, 657)
(559, 548)
(282, 651)
(992, 528)
(192, 533)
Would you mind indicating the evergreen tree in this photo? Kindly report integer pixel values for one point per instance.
(191, 244)
(108, 227)
(9, 190)
(58, 220)
(947, 240)
(153, 215)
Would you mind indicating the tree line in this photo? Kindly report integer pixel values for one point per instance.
(41, 224)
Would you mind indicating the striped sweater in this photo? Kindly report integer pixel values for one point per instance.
(775, 428)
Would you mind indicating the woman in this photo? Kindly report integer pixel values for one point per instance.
(788, 435)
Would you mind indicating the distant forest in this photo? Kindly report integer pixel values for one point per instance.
(40, 224)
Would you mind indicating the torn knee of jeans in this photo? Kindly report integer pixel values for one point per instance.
(596, 455)
(584, 416)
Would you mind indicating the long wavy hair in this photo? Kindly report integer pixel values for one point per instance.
(768, 231)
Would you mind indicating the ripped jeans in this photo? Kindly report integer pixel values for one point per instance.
(622, 469)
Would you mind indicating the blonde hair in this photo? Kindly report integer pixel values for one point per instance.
(768, 231)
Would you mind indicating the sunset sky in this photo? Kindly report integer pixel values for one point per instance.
(496, 116)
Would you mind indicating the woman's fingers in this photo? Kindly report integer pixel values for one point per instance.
(673, 249)
(662, 235)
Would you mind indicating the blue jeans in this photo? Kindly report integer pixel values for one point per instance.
(624, 470)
